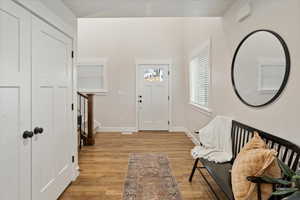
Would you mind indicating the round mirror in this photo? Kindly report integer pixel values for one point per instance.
(260, 68)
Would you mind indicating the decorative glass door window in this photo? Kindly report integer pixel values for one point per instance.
(91, 77)
(154, 74)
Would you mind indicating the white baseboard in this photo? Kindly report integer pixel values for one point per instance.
(193, 137)
(117, 129)
(76, 173)
(134, 129)
(97, 125)
(178, 129)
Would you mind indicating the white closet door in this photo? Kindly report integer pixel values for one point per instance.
(51, 110)
(15, 111)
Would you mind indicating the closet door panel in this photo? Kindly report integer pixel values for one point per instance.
(15, 102)
(43, 173)
(63, 143)
(52, 92)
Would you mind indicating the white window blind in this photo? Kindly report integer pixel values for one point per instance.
(91, 76)
(270, 77)
(199, 77)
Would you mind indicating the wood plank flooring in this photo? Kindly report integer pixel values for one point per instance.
(103, 167)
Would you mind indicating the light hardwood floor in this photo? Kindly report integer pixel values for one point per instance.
(103, 167)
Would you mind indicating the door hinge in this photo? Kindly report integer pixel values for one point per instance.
(168, 122)
(168, 72)
(73, 159)
(72, 106)
(72, 54)
(169, 98)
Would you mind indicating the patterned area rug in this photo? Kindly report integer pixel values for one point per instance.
(150, 178)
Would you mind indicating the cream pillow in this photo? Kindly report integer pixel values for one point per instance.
(255, 159)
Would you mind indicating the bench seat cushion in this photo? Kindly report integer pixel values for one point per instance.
(221, 174)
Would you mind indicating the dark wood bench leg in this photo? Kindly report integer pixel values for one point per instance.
(194, 169)
(258, 191)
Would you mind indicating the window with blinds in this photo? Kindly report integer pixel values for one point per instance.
(91, 76)
(199, 68)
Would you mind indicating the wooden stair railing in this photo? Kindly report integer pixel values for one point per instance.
(86, 119)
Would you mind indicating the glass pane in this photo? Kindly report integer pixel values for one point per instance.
(199, 80)
(154, 75)
(90, 77)
(271, 77)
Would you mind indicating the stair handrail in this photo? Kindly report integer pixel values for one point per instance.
(82, 95)
(89, 100)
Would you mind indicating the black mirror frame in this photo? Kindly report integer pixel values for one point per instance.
(287, 70)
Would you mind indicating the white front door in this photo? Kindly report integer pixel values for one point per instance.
(51, 111)
(15, 111)
(153, 97)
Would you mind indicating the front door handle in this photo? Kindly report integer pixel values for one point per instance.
(27, 134)
(38, 130)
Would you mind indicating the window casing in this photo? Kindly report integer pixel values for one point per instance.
(199, 76)
(91, 76)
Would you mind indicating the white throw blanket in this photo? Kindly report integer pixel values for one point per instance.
(215, 139)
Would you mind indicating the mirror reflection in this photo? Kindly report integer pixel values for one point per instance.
(260, 68)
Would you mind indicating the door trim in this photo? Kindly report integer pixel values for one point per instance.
(139, 62)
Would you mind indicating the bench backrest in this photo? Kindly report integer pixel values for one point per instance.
(288, 152)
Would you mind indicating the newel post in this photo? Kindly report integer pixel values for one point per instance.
(90, 137)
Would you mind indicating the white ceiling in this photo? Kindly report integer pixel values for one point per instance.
(148, 8)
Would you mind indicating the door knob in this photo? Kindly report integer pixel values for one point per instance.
(27, 134)
(38, 130)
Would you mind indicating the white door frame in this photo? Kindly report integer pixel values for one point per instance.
(139, 62)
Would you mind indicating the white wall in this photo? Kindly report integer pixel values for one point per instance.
(59, 8)
(280, 118)
(54, 12)
(121, 41)
(197, 31)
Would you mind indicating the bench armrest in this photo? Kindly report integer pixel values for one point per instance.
(255, 179)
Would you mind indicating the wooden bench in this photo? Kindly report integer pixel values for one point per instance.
(288, 152)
